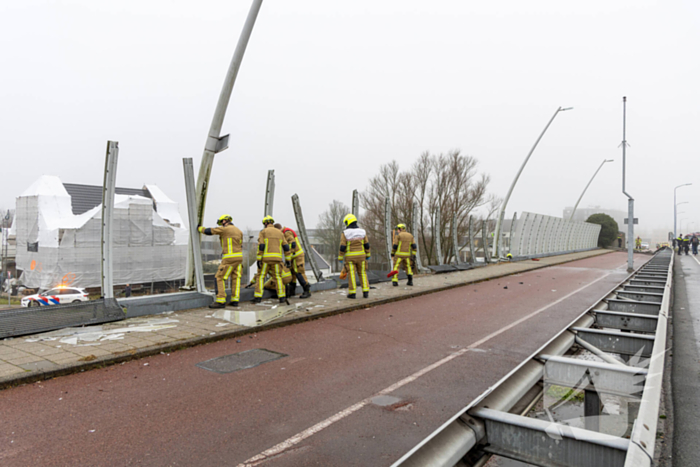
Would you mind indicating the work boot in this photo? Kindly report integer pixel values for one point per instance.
(365, 294)
(217, 305)
(235, 304)
(257, 300)
(410, 280)
(283, 299)
(307, 292)
(395, 284)
(292, 291)
(351, 295)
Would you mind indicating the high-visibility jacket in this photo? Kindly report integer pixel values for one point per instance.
(404, 245)
(293, 242)
(231, 240)
(272, 247)
(354, 245)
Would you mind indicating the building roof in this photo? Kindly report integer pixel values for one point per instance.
(85, 197)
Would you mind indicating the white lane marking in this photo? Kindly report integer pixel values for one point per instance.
(299, 437)
(696, 260)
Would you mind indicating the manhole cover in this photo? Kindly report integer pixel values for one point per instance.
(240, 361)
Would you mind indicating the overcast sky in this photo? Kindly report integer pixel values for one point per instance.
(328, 91)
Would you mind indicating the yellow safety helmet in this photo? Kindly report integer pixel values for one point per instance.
(401, 226)
(349, 219)
(268, 220)
(224, 218)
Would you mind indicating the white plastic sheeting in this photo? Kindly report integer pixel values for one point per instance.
(54, 246)
(537, 234)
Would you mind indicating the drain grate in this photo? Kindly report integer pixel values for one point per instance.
(240, 361)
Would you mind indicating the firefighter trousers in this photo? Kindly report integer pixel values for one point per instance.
(298, 268)
(274, 269)
(229, 268)
(361, 269)
(403, 262)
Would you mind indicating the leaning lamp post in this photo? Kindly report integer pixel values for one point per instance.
(501, 212)
(675, 213)
(589, 184)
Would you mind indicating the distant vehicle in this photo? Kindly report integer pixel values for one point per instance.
(56, 296)
(645, 246)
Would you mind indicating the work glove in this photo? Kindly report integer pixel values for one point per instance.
(340, 261)
(200, 229)
(288, 264)
(392, 255)
(367, 258)
(259, 263)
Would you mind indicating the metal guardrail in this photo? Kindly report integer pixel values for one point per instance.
(489, 424)
(30, 320)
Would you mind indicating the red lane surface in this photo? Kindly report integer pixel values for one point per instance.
(166, 411)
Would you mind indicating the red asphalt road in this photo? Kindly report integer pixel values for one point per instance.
(166, 411)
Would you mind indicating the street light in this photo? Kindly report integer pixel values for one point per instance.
(675, 214)
(589, 183)
(497, 233)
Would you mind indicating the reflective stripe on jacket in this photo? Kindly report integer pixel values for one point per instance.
(404, 245)
(231, 240)
(293, 242)
(353, 243)
(272, 246)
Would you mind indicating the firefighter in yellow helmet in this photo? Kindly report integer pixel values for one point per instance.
(354, 250)
(403, 252)
(273, 252)
(231, 260)
(298, 271)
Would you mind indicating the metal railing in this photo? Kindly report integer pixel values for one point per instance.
(629, 322)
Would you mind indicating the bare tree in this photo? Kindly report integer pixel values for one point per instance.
(445, 182)
(330, 227)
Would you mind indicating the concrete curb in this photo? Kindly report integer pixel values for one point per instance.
(101, 362)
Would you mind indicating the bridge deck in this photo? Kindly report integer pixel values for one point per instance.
(430, 356)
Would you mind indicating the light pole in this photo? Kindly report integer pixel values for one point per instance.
(497, 233)
(589, 183)
(630, 200)
(675, 214)
(215, 142)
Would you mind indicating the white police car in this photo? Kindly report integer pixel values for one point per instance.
(56, 296)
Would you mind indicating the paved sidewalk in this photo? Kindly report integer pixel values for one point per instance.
(43, 356)
(685, 377)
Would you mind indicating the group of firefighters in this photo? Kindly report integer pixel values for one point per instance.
(685, 243)
(281, 257)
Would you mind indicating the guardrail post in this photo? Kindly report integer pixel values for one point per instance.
(416, 215)
(436, 236)
(301, 228)
(108, 188)
(512, 232)
(455, 243)
(355, 204)
(472, 250)
(269, 193)
(485, 241)
(388, 230)
(195, 238)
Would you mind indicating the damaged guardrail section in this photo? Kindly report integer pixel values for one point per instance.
(627, 330)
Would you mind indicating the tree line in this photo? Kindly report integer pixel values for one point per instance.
(448, 182)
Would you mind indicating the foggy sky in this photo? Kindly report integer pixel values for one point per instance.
(328, 91)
